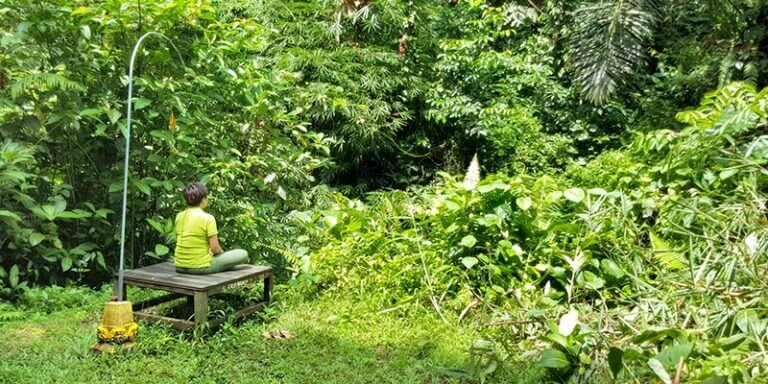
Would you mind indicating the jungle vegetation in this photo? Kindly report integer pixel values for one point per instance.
(581, 183)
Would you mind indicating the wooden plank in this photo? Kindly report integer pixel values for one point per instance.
(201, 308)
(160, 287)
(255, 307)
(192, 282)
(165, 275)
(155, 301)
(181, 325)
(268, 289)
(238, 284)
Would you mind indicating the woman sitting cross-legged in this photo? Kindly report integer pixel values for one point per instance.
(197, 239)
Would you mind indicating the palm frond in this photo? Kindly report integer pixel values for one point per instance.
(608, 44)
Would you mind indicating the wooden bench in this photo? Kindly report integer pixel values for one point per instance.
(197, 289)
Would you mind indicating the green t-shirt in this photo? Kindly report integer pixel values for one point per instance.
(193, 228)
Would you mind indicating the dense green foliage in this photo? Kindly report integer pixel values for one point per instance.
(684, 214)
(612, 236)
(65, 94)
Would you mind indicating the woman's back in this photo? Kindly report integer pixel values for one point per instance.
(193, 228)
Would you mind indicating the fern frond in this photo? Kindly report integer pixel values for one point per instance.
(296, 262)
(45, 81)
(733, 107)
(665, 255)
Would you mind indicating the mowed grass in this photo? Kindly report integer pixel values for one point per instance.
(338, 341)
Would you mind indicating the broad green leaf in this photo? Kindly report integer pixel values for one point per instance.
(59, 206)
(731, 342)
(330, 221)
(75, 214)
(715, 380)
(103, 212)
(552, 358)
(659, 370)
(483, 345)
(82, 249)
(143, 187)
(728, 172)
(12, 215)
(281, 192)
(469, 262)
(468, 241)
(155, 158)
(166, 136)
(100, 260)
(16, 175)
(655, 334)
(485, 188)
(113, 115)
(156, 225)
(593, 281)
(633, 353)
(612, 269)
(452, 204)
(670, 356)
(161, 250)
(66, 264)
(140, 102)
(13, 276)
(36, 238)
(615, 361)
(81, 11)
(597, 192)
(574, 194)
(747, 321)
(577, 261)
(86, 30)
(45, 212)
(115, 187)
(101, 131)
(524, 202)
(568, 322)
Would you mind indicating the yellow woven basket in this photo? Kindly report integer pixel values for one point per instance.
(117, 325)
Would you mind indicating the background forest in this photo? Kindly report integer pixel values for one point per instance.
(583, 181)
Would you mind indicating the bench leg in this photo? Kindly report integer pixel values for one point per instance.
(267, 290)
(201, 308)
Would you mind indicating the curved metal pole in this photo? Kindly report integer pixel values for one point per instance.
(120, 292)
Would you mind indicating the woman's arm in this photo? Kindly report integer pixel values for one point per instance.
(213, 244)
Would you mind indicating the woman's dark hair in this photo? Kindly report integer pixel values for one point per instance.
(195, 193)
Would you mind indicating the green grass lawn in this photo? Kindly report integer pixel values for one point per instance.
(338, 341)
